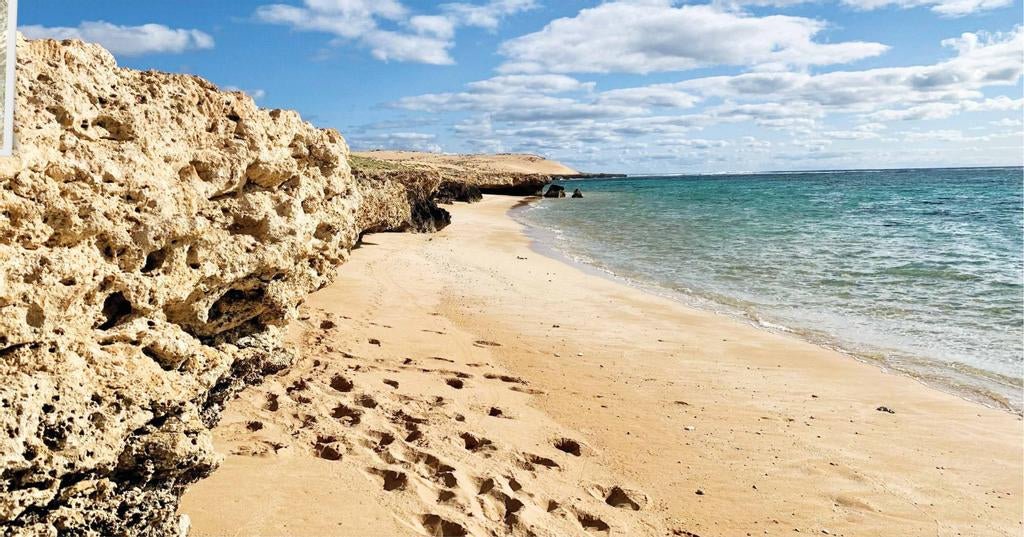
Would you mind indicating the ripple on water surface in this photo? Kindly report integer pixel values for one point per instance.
(919, 269)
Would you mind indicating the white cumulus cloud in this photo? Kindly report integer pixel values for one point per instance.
(817, 116)
(949, 8)
(126, 40)
(388, 28)
(945, 8)
(653, 36)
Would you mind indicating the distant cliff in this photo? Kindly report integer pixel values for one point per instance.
(430, 178)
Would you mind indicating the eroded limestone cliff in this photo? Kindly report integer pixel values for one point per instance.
(519, 175)
(402, 189)
(398, 200)
(155, 235)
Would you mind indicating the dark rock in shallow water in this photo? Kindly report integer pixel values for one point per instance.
(577, 193)
(555, 191)
(450, 191)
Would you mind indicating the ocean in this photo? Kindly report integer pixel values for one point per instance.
(918, 270)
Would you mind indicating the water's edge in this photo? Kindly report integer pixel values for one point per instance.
(946, 383)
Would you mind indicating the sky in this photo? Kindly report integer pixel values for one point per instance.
(630, 86)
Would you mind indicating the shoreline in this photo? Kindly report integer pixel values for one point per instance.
(622, 413)
(944, 380)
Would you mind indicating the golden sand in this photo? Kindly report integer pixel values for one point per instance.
(461, 381)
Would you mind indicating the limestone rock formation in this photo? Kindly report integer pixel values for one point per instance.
(397, 200)
(517, 175)
(452, 191)
(155, 235)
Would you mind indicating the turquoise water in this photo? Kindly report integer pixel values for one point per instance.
(919, 270)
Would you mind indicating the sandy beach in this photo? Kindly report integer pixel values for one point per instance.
(463, 383)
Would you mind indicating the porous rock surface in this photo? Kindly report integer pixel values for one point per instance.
(398, 200)
(456, 176)
(155, 236)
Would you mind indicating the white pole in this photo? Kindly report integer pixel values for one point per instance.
(12, 45)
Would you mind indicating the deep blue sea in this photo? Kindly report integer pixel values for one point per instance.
(918, 270)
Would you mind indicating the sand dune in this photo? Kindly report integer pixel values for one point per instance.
(462, 383)
(501, 163)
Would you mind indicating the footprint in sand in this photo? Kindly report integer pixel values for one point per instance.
(485, 486)
(366, 401)
(513, 484)
(393, 480)
(504, 378)
(411, 426)
(306, 421)
(445, 496)
(272, 403)
(500, 506)
(455, 383)
(380, 440)
(414, 434)
(512, 507)
(349, 416)
(326, 447)
(536, 460)
(568, 445)
(593, 524)
(440, 527)
(341, 384)
(485, 343)
(528, 391)
(623, 499)
(434, 469)
(476, 443)
(262, 448)
(294, 390)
